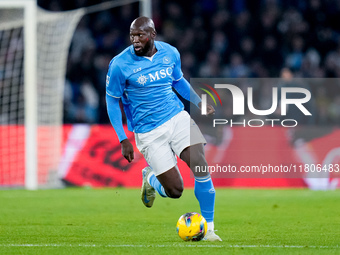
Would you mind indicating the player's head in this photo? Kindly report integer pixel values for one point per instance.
(142, 35)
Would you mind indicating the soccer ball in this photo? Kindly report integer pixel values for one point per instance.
(191, 227)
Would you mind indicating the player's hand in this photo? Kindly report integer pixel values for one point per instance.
(210, 109)
(127, 150)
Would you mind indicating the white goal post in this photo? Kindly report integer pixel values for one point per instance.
(37, 79)
(30, 85)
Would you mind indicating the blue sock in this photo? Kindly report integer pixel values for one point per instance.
(205, 194)
(154, 182)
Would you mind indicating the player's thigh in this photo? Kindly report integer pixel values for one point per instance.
(185, 133)
(194, 155)
(155, 147)
(195, 158)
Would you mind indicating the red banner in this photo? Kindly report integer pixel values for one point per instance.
(91, 156)
(100, 163)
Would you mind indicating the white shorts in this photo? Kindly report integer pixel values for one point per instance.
(161, 145)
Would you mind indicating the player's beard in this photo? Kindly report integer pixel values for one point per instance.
(144, 50)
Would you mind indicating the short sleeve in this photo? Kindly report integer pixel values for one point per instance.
(177, 73)
(115, 80)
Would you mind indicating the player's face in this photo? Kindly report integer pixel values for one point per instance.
(141, 40)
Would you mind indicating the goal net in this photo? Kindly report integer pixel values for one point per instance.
(54, 32)
(31, 92)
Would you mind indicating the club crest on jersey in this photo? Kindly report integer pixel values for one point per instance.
(142, 79)
(166, 60)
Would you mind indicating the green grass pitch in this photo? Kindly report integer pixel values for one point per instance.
(114, 221)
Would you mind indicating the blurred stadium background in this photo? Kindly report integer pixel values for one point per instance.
(220, 38)
(77, 145)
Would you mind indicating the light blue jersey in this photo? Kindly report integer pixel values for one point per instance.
(145, 86)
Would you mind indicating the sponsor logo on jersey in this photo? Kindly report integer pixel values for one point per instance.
(155, 76)
(137, 70)
(160, 74)
(142, 79)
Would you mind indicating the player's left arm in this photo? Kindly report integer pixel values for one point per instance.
(183, 87)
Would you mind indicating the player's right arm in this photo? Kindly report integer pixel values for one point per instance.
(115, 117)
(114, 90)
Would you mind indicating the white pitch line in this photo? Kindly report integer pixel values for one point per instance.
(169, 245)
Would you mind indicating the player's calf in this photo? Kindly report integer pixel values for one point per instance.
(174, 192)
(172, 182)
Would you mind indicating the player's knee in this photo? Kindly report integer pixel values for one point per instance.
(175, 192)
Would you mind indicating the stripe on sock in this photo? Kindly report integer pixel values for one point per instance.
(203, 179)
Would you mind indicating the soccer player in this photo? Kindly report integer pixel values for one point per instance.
(142, 76)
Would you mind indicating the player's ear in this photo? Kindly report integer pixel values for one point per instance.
(153, 34)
